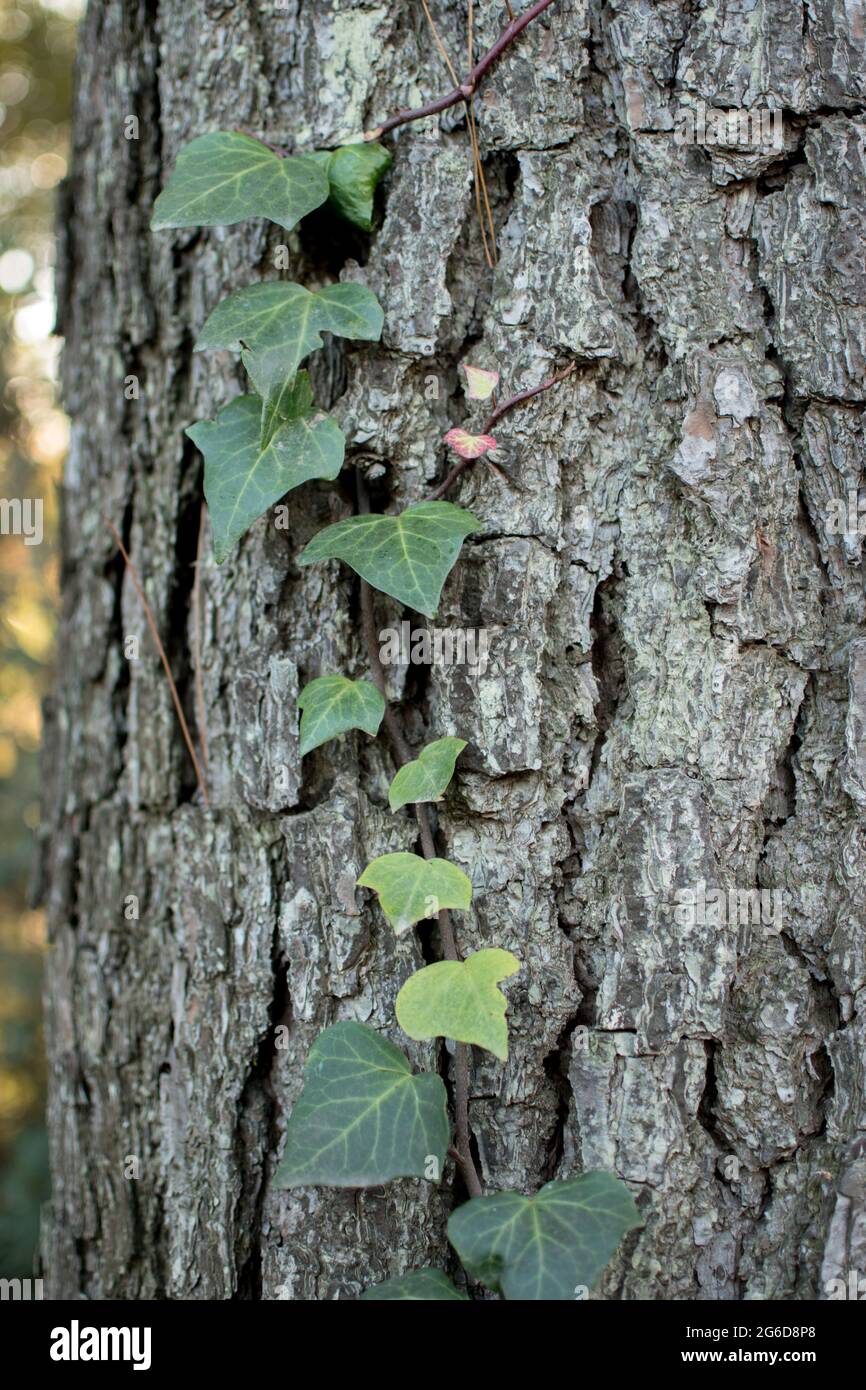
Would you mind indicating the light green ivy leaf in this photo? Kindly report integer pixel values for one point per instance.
(421, 1284)
(353, 173)
(458, 999)
(548, 1247)
(242, 479)
(276, 324)
(363, 1117)
(408, 556)
(427, 776)
(226, 177)
(332, 705)
(411, 888)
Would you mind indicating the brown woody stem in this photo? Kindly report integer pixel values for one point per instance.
(403, 754)
(465, 90)
(496, 414)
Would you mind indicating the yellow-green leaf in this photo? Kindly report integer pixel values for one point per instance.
(427, 776)
(458, 999)
(411, 888)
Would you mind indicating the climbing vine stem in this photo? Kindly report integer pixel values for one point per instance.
(462, 1151)
(465, 89)
(363, 1117)
(496, 414)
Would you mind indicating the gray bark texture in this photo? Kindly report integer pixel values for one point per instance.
(676, 689)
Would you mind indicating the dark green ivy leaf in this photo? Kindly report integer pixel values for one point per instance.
(226, 177)
(407, 556)
(242, 479)
(421, 1284)
(354, 172)
(276, 324)
(363, 1117)
(549, 1246)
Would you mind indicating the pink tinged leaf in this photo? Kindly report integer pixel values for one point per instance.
(470, 446)
(480, 384)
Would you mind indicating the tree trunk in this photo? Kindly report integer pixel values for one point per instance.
(676, 687)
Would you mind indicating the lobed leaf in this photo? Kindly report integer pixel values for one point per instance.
(545, 1247)
(427, 776)
(469, 446)
(276, 324)
(407, 556)
(332, 705)
(421, 1284)
(411, 888)
(226, 177)
(363, 1116)
(242, 478)
(458, 999)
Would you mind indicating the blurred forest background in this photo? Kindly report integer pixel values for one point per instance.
(37, 40)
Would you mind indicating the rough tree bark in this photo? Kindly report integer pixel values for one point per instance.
(677, 678)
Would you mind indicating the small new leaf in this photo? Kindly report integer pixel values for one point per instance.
(426, 778)
(332, 705)
(480, 384)
(421, 1284)
(548, 1246)
(470, 446)
(242, 478)
(411, 888)
(458, 999)
(226, 177)
(353, 173)
(407, 556)
(363, 1117)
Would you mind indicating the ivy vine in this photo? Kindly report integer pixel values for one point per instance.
(364, 1117)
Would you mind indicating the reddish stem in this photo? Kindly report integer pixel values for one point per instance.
(496, 414)
(466, 89)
